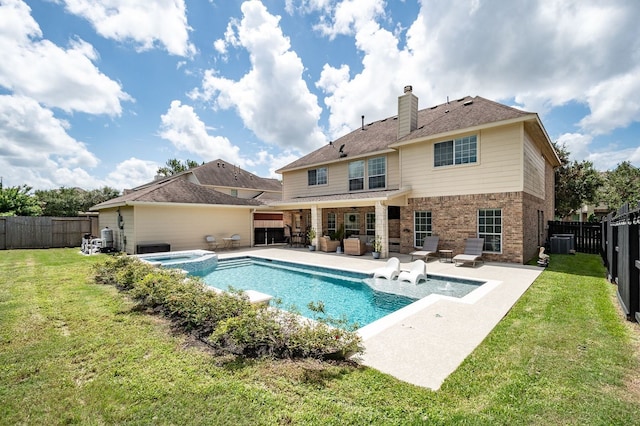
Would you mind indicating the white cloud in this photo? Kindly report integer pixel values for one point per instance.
(613, 103)
(184, 129)
(144, 23)
(577, 144)
(35, 146)
(131, 173)
(541, 53)
(56, 77)
(272, 99)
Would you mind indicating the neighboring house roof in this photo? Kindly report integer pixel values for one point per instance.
(178, 191)
(458, 115)
(221, 173)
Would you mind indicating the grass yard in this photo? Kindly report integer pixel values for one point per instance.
(72, 351)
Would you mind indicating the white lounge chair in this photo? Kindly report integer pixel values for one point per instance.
(417, 271)
(472, 252)
(429, 248)
(390, 270)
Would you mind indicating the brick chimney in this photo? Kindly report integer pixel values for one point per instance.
(407, 112)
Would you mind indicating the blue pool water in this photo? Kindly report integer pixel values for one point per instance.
(351, 295)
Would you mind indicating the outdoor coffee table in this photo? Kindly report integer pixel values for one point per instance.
(445, 255)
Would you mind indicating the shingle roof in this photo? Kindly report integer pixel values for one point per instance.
(460, 114)
(221, 173)
(177, 190)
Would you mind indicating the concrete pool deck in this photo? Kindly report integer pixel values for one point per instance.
(426, 345)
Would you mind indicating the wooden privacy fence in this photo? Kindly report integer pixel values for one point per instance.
(587, 235)
(621, 252)
(27, 232)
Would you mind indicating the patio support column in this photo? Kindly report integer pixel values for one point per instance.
(382, 228)
(316, 222)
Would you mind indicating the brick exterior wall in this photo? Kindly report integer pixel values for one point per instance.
(454, 219)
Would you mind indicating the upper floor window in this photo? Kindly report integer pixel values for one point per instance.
(377, 169)
(234, 192)
(356, 175)
(458, 151)
(317, 176)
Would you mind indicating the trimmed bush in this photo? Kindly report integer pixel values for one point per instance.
(227, 321)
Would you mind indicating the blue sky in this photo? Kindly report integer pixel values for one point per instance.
(103, 92)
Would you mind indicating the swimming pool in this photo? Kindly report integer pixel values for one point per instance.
(354, 296)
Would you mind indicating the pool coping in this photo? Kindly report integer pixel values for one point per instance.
(424, 345)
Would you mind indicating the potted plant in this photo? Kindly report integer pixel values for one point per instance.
(311, 235)
(377, 247)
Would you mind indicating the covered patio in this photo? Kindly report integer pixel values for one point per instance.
(366, 214)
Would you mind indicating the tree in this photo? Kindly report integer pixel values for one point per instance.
(68, 202)
(16, 201)
(175, 166)
(60, 202)
(621, 185)
(577, 183)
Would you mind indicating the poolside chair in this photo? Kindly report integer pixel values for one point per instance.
(429, 248)
(417, 271)
(390, 270)
(235, 241)
(211, 242)
(472, 252)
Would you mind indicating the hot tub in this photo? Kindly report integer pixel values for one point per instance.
(190, 261)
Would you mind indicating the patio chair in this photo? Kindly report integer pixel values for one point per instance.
(211, 242)
(472, 252)
(417, 271)
(235, 241)
(429, 248)
(390, 270)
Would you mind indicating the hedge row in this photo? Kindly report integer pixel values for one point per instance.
(226, 320)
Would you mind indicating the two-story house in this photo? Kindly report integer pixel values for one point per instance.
(466, 168)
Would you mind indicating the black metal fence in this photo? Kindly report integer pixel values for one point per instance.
(587, 235)
(621, 252)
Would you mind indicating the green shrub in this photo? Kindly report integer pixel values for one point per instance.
(227, 321)
(280, 334)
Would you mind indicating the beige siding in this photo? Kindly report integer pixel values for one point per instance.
(124, 237)
(499, 166)
(534, 169)
(184, 227)
(296, 184)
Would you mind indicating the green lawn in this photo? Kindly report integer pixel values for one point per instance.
(72, 351)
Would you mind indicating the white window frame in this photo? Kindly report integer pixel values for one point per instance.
(373, 170)
(464, 150)
(422, 228)
(356, 173)
(320, 176)
(490, 227)
(370, 225)
(332, 220)
(351, 226)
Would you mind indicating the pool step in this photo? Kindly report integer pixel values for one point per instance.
(233, 263)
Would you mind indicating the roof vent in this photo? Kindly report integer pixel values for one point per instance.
(408, 89)
(467, 103)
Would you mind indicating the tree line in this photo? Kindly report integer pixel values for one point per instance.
(579, 183)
